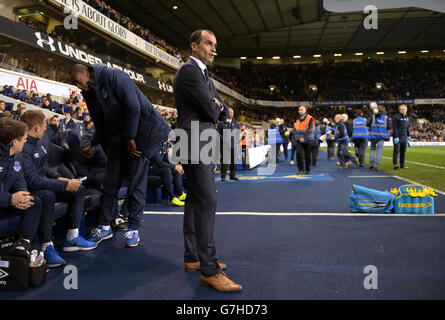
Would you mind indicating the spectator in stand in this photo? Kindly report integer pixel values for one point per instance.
(4, 90)
(74, 100)
(46, 103)
(78, 114)
(21, 108)
(2, 106)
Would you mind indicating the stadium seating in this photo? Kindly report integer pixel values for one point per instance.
(9, 106)
(38, 100)
(60, 158)
(67, 109)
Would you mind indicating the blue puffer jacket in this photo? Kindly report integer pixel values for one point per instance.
(38, 175)
(11, 176)
(120, 111)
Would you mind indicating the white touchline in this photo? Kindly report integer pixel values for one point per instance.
(290, 214)
(413, 182)
(371, 177)
(419, 163)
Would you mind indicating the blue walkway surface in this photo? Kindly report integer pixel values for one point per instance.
(312, 256)
(325, 190)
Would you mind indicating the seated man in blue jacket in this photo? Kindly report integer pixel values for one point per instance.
(92, 167)
(47, 182)
(170, 174)
(53, 131)
(14, 195)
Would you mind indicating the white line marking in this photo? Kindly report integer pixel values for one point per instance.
(419, 163)
(304, 214)
(371, 177)
(413, 182)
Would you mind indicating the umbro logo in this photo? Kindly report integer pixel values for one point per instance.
(3, 274)
(36, 155)
(41, 42)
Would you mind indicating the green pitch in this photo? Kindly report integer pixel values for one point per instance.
(426, 165)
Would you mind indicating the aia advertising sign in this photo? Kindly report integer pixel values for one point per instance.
(32, 83)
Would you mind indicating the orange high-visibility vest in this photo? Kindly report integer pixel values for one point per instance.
(304, 125)
(246, 139)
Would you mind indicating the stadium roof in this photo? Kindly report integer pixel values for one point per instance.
(285, 27)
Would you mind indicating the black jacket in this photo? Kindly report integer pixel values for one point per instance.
(400, 126)
(38, 175)
(195, 102)
(160, 159)
(53, 134)
(66, 125)
(227, 125)
(120, 111)
(349, 128)
(11, 176)
(293, 137)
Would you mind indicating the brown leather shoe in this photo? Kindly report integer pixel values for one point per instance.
(220, 282)
(195, 266)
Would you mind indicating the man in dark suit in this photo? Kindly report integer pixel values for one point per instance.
(228, 144)
(130, 130)
(199, 104)
(68, 122)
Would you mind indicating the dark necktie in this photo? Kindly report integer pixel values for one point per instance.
(206, 74)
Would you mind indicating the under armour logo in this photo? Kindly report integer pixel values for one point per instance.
(48, 42)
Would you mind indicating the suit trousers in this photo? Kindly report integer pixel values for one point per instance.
(29, 218)
(360, 146)
(400, 148)
(304, 150)
(224, 166)
(331, 149)
(117, 170)
(76, 206)
(199, 218)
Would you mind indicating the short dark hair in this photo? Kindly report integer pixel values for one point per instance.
(197, 35)
(33, 118)
(381, 109)
(78, 68)
(358, 112)
(10, 130)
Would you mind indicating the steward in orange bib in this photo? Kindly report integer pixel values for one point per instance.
(304, 127)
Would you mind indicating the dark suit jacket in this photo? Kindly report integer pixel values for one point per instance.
(226, 125)
(195, 101)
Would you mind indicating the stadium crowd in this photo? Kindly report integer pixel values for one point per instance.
(74, 105)
(427, 122)
(339, 81)
(132, 26)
